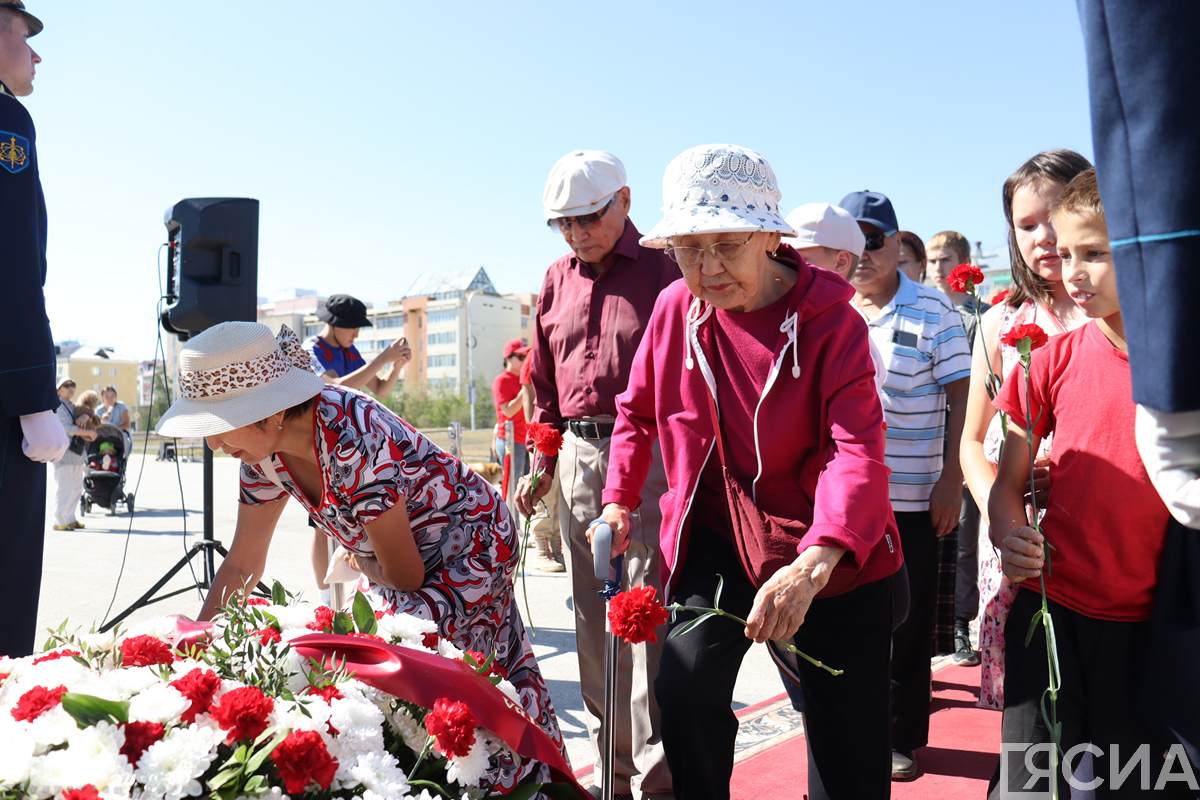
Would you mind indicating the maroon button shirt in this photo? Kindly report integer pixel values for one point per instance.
(589, 326)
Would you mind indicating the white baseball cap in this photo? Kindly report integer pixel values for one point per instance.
(581, 182)
(826, 225)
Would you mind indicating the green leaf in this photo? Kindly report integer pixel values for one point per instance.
(343, 623)
(258, 758)
(720, 588)
(278, 594)
(1033, 623)
(88, 709)
(691, 625)
(224, 776)
(526, 790)
(364, 615)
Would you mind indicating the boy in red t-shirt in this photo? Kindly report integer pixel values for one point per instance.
(1104, 521)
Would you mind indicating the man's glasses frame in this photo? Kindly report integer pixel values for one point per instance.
(583, 220)
(875, 241)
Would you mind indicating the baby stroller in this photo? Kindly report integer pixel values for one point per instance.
(104, 476)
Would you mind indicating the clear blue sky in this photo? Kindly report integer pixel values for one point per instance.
(385, 139)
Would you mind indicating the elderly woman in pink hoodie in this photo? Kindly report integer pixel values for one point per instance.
(755, 376)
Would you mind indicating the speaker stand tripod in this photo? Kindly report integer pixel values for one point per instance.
(207, 549)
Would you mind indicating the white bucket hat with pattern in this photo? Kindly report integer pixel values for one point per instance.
(718, 188)
(235, 374)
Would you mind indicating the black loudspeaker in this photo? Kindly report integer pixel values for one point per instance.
(212, 263)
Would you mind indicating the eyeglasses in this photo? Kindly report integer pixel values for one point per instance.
(875, 240)
(583, 220)
(721, 251)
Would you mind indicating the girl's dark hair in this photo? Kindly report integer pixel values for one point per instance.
(1049, 166)
(915, 244)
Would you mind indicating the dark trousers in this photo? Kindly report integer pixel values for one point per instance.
(1100, 662)
(23, 498)
(845, 717)
(966, 579)
(912, 643)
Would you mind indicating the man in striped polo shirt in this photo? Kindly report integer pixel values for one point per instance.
(920, 335)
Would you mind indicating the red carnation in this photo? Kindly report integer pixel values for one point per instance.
(379, 614)
(145, 651)
(322, 620)
(964, 278)
(267, 635)
(257, 601)
(57, 654)
(138, 738)
(429, 641)
(4, 677)
(545, 438)
(303, 760)
(86, 792)
(635, 614)
(199, 686)
(328, 693)
(451, 725)
(1036, 336)
(243, 712)
(999, 297)
(37, 701)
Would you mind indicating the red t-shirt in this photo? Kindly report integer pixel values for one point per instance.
(741, 351)
(527, 370)
(1104, 518)
(504, 389)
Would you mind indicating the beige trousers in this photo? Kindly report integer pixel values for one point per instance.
(544, 523)
(641, 764)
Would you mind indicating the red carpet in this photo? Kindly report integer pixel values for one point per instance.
(964, 742)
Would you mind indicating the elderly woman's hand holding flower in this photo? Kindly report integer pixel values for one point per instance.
(782, 603)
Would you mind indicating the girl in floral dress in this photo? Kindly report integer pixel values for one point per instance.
(432, 538)
(1037, 296)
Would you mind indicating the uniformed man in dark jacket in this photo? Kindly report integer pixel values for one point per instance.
(30, 435)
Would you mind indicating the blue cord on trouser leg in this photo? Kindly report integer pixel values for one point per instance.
(608, 570)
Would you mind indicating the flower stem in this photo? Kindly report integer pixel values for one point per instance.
(1053, 678)
(412, 773)
(735, 618)
(534, 477)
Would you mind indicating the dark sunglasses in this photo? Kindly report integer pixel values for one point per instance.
(875, 240)
(583, 220)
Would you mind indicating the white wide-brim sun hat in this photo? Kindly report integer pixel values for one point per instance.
(235, 374)
(718, 188)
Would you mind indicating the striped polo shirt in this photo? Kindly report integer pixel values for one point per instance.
(921, 338)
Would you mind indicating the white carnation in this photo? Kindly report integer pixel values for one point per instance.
(171, 768)
(51, 729)
(93, 755)
(292, 618)
(471, 769)
(16, 756)
(59, 672)
(99, 641)
(290, 714)
(164, 628)
(129, 681)
(404, 628)
(379, 773)
(411, 732)
(447, 650)
(159, 703)
(360, 730)
(510, 692)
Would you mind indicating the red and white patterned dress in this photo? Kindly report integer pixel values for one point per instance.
(370, 459)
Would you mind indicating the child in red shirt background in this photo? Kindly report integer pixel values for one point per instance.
(1104, 521)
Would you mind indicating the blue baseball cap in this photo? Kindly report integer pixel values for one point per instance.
(873, 208)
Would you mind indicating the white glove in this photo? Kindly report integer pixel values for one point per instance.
(45, 438)
(1169, 444)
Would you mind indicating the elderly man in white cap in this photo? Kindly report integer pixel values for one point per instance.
(593, 309)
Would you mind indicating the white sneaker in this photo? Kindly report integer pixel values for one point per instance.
(543, 564)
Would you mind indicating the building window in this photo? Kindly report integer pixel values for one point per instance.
(95, 370)
(524, 323)
(444, 337)
(450, 360)
(312, 329)
(443, 315)
(395, 321)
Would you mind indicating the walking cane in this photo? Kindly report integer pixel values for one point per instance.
(608, 570)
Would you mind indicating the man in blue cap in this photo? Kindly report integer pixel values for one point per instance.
(920, 335)
(30, 434)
